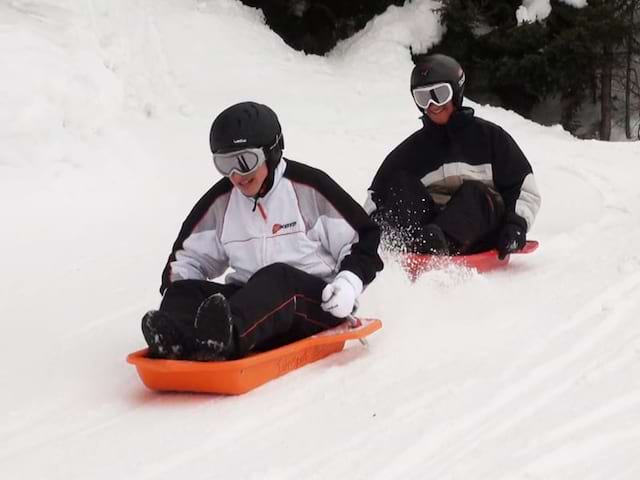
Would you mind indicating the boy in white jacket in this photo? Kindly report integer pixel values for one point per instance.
(300, 250)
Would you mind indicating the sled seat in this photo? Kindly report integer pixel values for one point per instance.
(415, 264)
(234, 377)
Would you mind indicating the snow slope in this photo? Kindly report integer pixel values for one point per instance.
(529, 373)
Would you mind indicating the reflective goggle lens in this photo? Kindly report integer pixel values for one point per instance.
(438, 94)
(242, 162)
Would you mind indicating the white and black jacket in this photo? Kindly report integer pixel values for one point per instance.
(305, 220)
(466, 148)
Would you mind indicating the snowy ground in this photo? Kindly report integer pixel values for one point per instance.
(529, 373)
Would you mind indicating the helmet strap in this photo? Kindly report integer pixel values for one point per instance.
(274, 155)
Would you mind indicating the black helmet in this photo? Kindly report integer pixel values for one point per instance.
(249, 125)
(438, 68)
(245, 125)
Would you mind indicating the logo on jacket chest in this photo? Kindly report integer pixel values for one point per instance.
(277, 227)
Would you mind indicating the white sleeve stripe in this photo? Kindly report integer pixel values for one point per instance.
(462, 170)
(528, 202)
(369, 205)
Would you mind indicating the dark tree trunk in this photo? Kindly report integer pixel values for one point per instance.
(629, 67)
(627, 91)
(605, 93)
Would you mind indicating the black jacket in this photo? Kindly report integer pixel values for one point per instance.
(466, 148)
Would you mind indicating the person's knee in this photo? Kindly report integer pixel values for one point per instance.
(275, 270)
(477, 191)
(184, 296)
(180, 286)
(473, 187)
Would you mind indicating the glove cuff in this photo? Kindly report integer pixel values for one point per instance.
(352, 279)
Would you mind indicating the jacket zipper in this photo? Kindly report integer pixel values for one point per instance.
(263, 213)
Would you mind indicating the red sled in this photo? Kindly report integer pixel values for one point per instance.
(234, 377)
(416, 264)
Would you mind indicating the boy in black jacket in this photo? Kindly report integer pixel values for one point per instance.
(458, 185)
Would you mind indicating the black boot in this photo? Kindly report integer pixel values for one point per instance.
(433, 241)
(214, 331)
(162, 336)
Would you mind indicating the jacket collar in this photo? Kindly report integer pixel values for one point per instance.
(277, 176)
(459, 120)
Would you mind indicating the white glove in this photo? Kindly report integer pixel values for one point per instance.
(340, 296)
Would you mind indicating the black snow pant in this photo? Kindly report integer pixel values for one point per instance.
(278, 305)
(469, 220)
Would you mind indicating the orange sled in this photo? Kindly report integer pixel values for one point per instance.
(234, 377)
(415, 264)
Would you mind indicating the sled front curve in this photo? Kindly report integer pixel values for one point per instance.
(234, 377)
(415, 264)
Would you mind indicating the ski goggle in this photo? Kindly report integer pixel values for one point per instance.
(242, 162)
(439, 94)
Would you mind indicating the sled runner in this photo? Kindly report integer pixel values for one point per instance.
(415, 264)
(234, 377)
